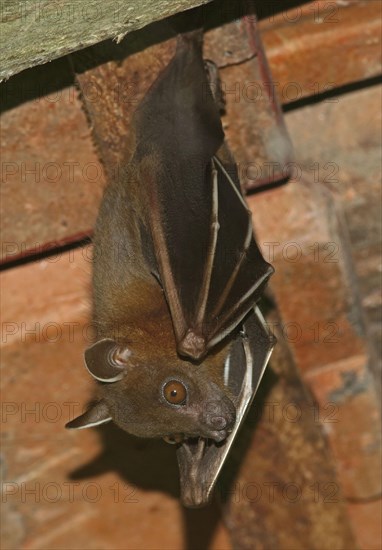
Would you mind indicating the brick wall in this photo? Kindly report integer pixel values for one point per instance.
(327, 288)
(306, 471)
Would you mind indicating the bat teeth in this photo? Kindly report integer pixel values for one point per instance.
(219, 435)
(174, 439)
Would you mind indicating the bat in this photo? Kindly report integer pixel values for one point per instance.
(181, 345)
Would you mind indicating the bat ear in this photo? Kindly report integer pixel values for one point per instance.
(106, 361)
(96, 415)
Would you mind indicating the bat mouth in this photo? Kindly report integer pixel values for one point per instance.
(218, 435)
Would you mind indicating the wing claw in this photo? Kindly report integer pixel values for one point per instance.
(193, 345)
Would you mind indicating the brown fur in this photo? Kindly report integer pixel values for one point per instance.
(129, 302)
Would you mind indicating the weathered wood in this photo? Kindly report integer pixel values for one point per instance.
(33, 32)
(36, 32)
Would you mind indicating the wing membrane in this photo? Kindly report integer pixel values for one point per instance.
(210, 267)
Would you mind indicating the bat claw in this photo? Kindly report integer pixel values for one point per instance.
(193, 345)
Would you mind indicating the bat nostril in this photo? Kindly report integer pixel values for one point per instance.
(221, 415)
(218, 422)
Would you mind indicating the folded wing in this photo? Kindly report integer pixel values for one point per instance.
(210, 267)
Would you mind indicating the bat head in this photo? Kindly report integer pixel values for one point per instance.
(166, 399)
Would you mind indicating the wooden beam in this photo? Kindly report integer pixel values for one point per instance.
(33, 33)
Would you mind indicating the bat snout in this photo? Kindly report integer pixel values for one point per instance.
(220, 421)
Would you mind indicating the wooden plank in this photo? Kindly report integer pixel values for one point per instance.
(33, 32)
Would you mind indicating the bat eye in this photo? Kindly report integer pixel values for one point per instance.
(175, 392)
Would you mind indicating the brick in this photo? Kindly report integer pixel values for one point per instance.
(305, 46)
(296, 226)
(251, 119)
(13, 529)
(366, 518)
(320, 295)
(345, 392)
(347, 161)
(318, 299)
(52, 181)
(65, 281)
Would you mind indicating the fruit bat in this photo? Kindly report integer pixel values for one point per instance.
(181, 345)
